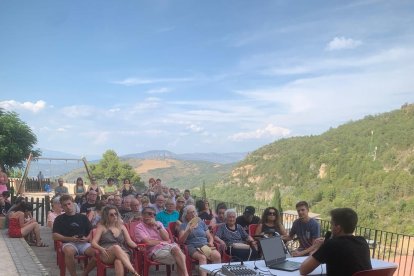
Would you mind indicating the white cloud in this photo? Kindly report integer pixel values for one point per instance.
(78, 111)
(195, 128)
(270, 131)
(15, 105)
(340, 43)
(140, 81)
(161, 90)
(61, 129)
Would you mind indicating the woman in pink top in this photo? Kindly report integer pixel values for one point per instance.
(3, 181)
(56, 211)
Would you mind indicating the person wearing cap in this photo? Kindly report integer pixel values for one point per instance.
(61, 190)
(248, 218)
(110, 189)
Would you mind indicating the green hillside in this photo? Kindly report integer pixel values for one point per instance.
(367, 165)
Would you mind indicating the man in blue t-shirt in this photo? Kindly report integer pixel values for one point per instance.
(306, 229)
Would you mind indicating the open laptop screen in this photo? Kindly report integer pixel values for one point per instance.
(272, 249)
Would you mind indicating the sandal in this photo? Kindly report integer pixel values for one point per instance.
(41, 244)
(134, 273)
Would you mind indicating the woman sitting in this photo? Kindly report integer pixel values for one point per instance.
(204, 211)
(79, 190)
(234, 239)
(19, 227)
(56, 211)
(195, 234)
(270, 224)
(127, 188)
(111, 238)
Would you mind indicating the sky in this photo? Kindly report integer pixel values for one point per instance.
(200, 76)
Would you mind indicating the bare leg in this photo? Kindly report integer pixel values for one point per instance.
(180, 260)
(92, 262)
(119, 268)
(122, 256)
(201, 260)
(70, 252)
(215, 257)
(34, 226)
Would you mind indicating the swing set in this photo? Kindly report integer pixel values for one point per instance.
(39, 184)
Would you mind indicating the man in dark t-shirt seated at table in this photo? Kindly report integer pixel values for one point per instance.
(344, 254)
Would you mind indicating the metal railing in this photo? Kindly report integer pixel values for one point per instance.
(384, 245)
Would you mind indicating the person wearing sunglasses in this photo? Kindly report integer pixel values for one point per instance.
(270, 224)
(159, 246)
(112, 240)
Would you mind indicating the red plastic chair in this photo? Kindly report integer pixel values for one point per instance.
(61, 258)
(252, 229)
(141, 258)
(377, 272)
(172, 231)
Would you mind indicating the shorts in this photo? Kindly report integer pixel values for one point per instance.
(164, 254)
(80, 247)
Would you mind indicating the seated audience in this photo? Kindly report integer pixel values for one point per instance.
(237, 243)
(56, 211)
(73, 229)
(196, 235)
(247, 218)
(270, 224)
(118, 202)
(179, 203)
(90, 203)
(95, 216)
(60, 189)
(159, 204)
(126, 205)
(127, 189)
(4, 205)
(159, 246)
(169, 214)
(79, 190)
(188, 199)
(219, 218)
(95, 187)
(344, 254)
(145, 202)
(172, 194)
(110, 200)
(135, 213)
(204, 211)
(111, 188)
(306, 229)
(20, 227)
(111, 239)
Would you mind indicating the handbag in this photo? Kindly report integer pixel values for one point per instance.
(206, 250)
(240, 245)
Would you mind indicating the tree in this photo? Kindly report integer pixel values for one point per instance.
(277, 200)
(17, 141)
(111, 166)
(203, 190)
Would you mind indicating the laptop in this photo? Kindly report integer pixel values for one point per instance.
(274, 254)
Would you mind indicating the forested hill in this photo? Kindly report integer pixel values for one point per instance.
(367, 165)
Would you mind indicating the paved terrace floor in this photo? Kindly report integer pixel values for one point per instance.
(18, 258)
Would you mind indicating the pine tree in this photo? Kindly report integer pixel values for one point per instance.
(203, 191)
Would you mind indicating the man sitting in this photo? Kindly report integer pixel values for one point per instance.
(159, 246)
(248, 218)
(73, 230)
(61, 190)
(306, 229)
(90, 204)
(169, 214)
(345, 253)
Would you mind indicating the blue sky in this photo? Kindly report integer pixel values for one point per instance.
(200, 76)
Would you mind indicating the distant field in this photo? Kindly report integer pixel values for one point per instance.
(174, 173)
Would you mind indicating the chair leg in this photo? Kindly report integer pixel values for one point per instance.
(168, 270)
(146, 269)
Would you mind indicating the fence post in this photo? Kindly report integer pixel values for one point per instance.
(42, 212)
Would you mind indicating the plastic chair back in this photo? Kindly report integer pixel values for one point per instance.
(377, 272)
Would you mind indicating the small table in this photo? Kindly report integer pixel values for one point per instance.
(261, 267)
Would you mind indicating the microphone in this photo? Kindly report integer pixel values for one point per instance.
(328, 235)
